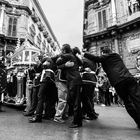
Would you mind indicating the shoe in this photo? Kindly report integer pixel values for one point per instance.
(59, 120)
(103, 105)
(75, 125)
(35, 119)
(97, 114)
(91, 117)
(24, 111)
(65, 117)
(138, 126)
(2, 110)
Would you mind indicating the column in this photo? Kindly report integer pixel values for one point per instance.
(30, 56)
(114, 15)
(23, 57)
(116, 45)
(2, 19)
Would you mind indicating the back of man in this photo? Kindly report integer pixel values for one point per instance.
(114, 66)
(119, 77)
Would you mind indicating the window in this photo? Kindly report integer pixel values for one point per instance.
(102, 20)
(39, 39)
(0, 12)
(44, 45)
(26, 56)
(32, 32)
(12, 27)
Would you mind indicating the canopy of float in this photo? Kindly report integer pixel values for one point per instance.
(26, 54)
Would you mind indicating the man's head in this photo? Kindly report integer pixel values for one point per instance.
(76, 50)
(47, 63)
(106, 51)
(66, 48)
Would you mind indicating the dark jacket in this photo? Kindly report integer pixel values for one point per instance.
(87, 63)
(72, 73)
(113, 65)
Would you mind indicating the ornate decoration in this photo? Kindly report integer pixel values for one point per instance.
(16, 2)
(98, 3)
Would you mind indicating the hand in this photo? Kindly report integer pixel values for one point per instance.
(46, 63)
(69, 64)
(87, 69)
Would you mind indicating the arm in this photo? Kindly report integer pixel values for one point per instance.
(66, 65)
(93, 57)
(64, 61)
(54, 58)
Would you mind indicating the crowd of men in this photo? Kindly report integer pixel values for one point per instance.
(58, 80)
(63, 86)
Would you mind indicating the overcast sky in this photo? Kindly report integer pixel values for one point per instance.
(66, 19)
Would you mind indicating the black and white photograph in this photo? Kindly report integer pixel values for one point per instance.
(69, 69)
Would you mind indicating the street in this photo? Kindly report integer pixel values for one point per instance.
(113, 124)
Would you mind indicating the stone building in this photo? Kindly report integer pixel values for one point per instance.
(24, 21)
(114, 24)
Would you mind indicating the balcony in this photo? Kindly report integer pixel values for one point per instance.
(45, 33)
(49, 39)
(34, 17)
(40, 26)
(52, 44)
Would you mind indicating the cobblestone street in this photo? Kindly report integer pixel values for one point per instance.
(113, 124)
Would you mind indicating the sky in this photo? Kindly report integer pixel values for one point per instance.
(66, 20)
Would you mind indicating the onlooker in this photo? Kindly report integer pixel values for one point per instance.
(3, 81)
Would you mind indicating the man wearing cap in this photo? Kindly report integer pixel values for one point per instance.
(122, 80)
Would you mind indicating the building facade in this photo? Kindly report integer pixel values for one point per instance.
(114, 24)
(24, 21)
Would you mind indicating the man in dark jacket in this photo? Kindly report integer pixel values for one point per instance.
(88, 86)
(122, 80)
(47, 92)
(74, 83)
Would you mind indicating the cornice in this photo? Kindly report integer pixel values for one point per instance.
(37, 4)
(114, 28)
(96, 5)
(16, 6)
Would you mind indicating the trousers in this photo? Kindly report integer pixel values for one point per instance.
(129, 92)
(62, 99)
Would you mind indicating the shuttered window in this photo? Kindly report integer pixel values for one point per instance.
(12, 27)
(102, 19)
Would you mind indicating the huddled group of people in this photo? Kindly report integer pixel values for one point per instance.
(64, 85)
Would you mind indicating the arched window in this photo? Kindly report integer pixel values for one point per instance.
(12, 26)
